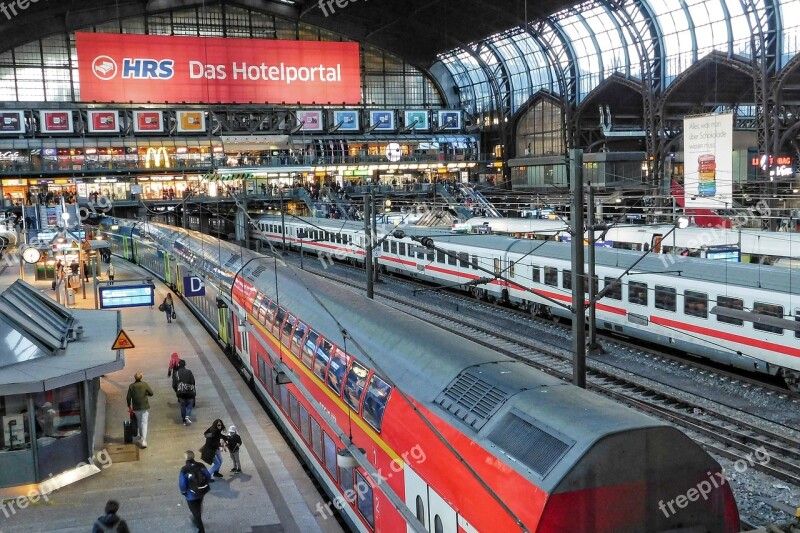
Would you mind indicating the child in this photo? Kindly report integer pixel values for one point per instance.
(234, 442)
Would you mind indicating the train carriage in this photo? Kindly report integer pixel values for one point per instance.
(469, 439)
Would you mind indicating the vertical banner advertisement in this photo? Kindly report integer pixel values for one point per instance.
(708, 161)
(158, 68)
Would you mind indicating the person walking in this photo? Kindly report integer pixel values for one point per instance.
(234, 443)
(174, 359)
(110, 521)
(138, 391)
(85, 272)
(184, 387)
(168, 307)
(110, 273)
(212, 449)
(193, 482)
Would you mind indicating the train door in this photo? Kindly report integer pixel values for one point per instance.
(430, 508)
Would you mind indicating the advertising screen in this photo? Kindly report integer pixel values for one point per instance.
(144, 68)
(417, 120)
(191, 121)
(55, 121)
(103, 121)
(12, 122)
(449, 120)
(348, 119)
(311, 120)
(382, 120)
(708, 161)
(148, 121)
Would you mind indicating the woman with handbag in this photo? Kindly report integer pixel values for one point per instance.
(168, 307)
(211, 452)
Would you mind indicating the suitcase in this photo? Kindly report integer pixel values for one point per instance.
(134, 426)
(127, 432)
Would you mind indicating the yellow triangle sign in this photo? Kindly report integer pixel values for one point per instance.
(123, 342)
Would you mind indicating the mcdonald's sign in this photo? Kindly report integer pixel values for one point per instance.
(157, 158)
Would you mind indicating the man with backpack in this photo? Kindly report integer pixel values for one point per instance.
(194, 481)
(184, 387)
(110, 521)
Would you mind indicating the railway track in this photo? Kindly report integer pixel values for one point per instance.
(724, 434)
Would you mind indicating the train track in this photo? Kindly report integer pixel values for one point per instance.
(724, 434)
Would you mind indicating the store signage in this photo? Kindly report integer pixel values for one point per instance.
(148, 121)
(103, 121)
(55, 121)
(9, 156)
(779, 166)
(141, 68)
(193, 286)
(156, 158)
(12, 122)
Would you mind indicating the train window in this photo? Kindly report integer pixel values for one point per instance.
(730, 303)
(475, 262)
(761, 308)
(365, 504)
(615, 293)
(322, 358)
(271, 312)
(536, 275)
(287, 328)
(354, 385)
(695, 304)
(797, 319)
(262, 370)
(401, 248)
(440, 256)
(329, 448)
(336, 371)
(511, 269)
(308, 348)
(257, 302)
(316, 438)
(566, 279)
(304, 429)
(451, 258)
(346, 481)
(429, 256)
(375, 401)
(438, 526)
(666, 298)
(294, 411)
(463, 259)
(637, 292)
(420, 252)
(551, 276)
(393, 247)
(385, 246)
(497, 266)
(420, 510)
(281, 316)
(299, 333)
(284, 393)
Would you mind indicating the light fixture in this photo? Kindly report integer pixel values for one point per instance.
(682, 222)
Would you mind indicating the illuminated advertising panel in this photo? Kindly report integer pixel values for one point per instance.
(382, 120)
(191, 121)
(708, 161)
(348, 119)
(148, 121)
(417, 120)
(311, 120)
(12, 122)
(55, 121)
(142, 68)
(102, 121)
(449, 120)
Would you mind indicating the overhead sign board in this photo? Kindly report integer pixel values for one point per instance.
(193, 286)
(141, 68)
(708, 161)
(116, 296)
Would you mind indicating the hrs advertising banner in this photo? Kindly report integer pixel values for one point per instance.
(708, 161)
(142, 68)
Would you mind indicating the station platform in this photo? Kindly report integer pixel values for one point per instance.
(272, 494)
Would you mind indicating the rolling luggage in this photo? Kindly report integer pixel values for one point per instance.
(127, 432)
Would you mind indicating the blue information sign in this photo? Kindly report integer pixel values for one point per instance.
(193, 286)
(115, 296)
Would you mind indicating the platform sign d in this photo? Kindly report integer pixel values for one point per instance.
(193, 286)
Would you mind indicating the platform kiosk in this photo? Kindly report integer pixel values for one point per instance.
(49, 377)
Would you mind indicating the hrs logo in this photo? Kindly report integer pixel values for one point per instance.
(143, 69)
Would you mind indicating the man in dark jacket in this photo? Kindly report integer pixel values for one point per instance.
(138, 391)
(184, 387)
(215, 440)
(193, 500)
(110, 521)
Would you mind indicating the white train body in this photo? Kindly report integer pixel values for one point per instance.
(666, 299)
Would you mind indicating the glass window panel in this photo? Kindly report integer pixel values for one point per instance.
(354, 385)
(768, 309)
(316, 438)
(790, 15)
(337, 370)
(730, 303)
(330, 454)
(375, 401)
(366, 506)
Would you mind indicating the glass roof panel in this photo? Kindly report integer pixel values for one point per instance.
(790, 16)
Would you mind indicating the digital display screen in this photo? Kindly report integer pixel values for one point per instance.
(126, 296)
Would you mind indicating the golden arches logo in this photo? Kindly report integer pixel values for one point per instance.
(157, 158)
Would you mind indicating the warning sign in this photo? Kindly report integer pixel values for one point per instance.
(123, 342)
